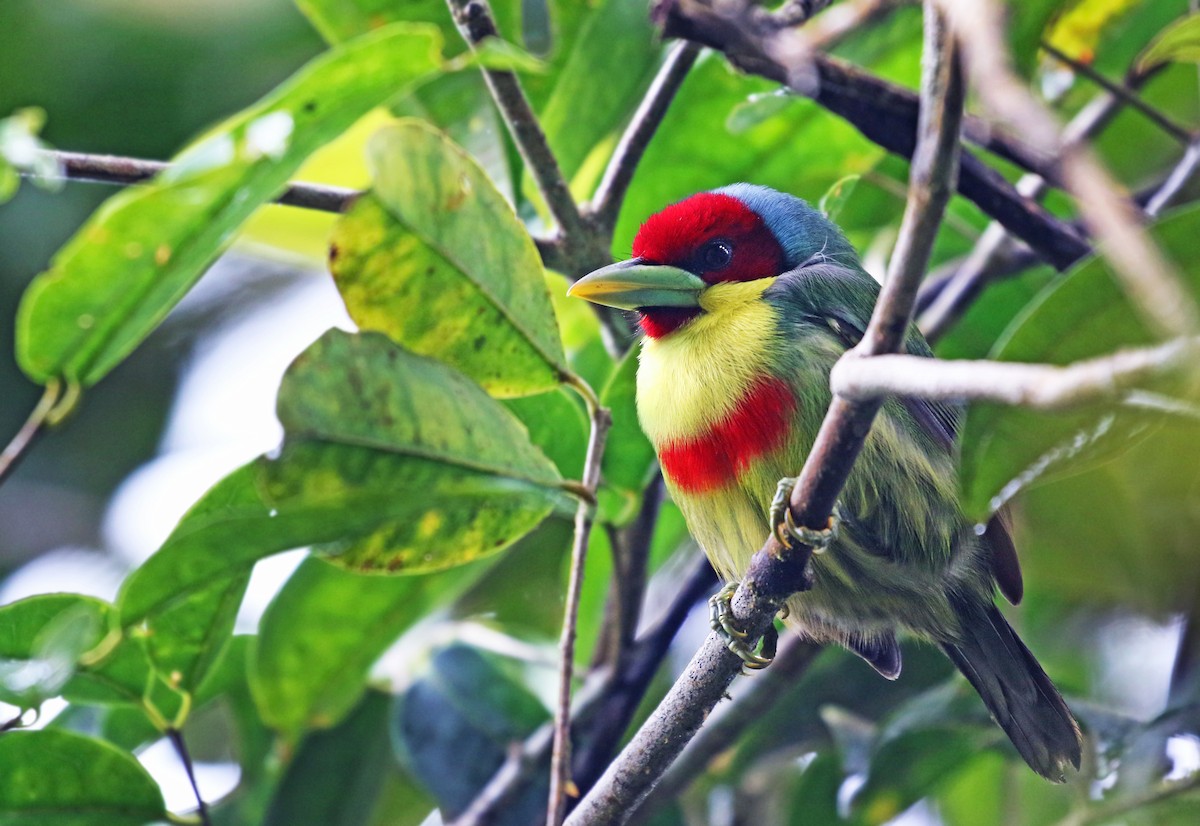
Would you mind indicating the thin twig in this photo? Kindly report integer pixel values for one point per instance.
(1123, 92)
(1038, 386)
(610, 194)
(176, 738)
(16, 449)
(1180, 175)
(126, 171)
(115, 169)
(475, 22)
(772, 577)
(560, 755)
(1147, 277)
(753, 704)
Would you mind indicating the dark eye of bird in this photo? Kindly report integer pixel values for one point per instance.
(714, 255)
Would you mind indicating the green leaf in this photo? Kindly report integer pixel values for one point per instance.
(340, 20)
(1083, 315)
(141, 252)
(57, 778)
(70, 644)
(1027, 26)
(436, 259)
(325, 629)
(617, 44)
(392, 462)
(336, 776)
(557, 424)
(467, 705)
(421, 440)
(834, 200)
(1178, 42)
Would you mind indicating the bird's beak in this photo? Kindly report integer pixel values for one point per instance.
(633, 284)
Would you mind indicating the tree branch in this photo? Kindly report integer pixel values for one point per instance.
(560, 755)
(985, 260)
(126, 171)
(1123, 93)
(884, 113)
(600, 704)
(1145, 274)
(475, 22)
(1039, 386)
(751, 705)
(775, 573)
(1175, 182)
(610, 194)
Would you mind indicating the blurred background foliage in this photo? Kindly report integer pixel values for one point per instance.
(350, 699)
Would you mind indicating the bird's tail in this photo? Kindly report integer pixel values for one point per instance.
(1015, 689)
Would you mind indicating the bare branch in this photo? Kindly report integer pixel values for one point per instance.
(1180, 175)
(989, 253)
(115, 169)
(884, 113)
(1145, 274)
(1040, 386)
(604, 705)
(560, 755)
(774, 574)
(751, 705)
(1123, 93)
(475, 22)
(610, 194)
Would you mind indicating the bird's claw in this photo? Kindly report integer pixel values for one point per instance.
(784, 528)
(722, 621)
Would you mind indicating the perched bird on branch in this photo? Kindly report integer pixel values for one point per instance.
(747, 297)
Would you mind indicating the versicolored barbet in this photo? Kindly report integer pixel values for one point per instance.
(747, 297)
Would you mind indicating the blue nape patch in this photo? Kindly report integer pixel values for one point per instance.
(803, 232)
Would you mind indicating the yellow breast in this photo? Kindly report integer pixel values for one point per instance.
(691, 379)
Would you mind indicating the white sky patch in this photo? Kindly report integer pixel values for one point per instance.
(269, 135)
(215, 780)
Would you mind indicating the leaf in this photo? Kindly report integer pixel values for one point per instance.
(44, 640)
(834, 200)
(111, 284)
(467, 705)
(436, 259)
(1026, 27)
(324, 630)
(392, 462)
(1177, 43)
(618, 44)
(557, 424)
(341, 20)
(57, 778)
(1083, 315)
(336, 775)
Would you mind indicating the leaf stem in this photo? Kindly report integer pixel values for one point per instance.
(176, 738)
(16, 449)
(560, 755)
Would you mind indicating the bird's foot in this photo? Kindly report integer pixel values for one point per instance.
(722, 621)
(785, 529)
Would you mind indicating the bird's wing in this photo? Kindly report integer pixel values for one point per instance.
(849, 293)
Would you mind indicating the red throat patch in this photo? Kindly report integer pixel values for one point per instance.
(758, 424)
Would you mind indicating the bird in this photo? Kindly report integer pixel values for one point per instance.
(746, 297)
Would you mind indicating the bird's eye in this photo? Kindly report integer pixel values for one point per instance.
(715, 255)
